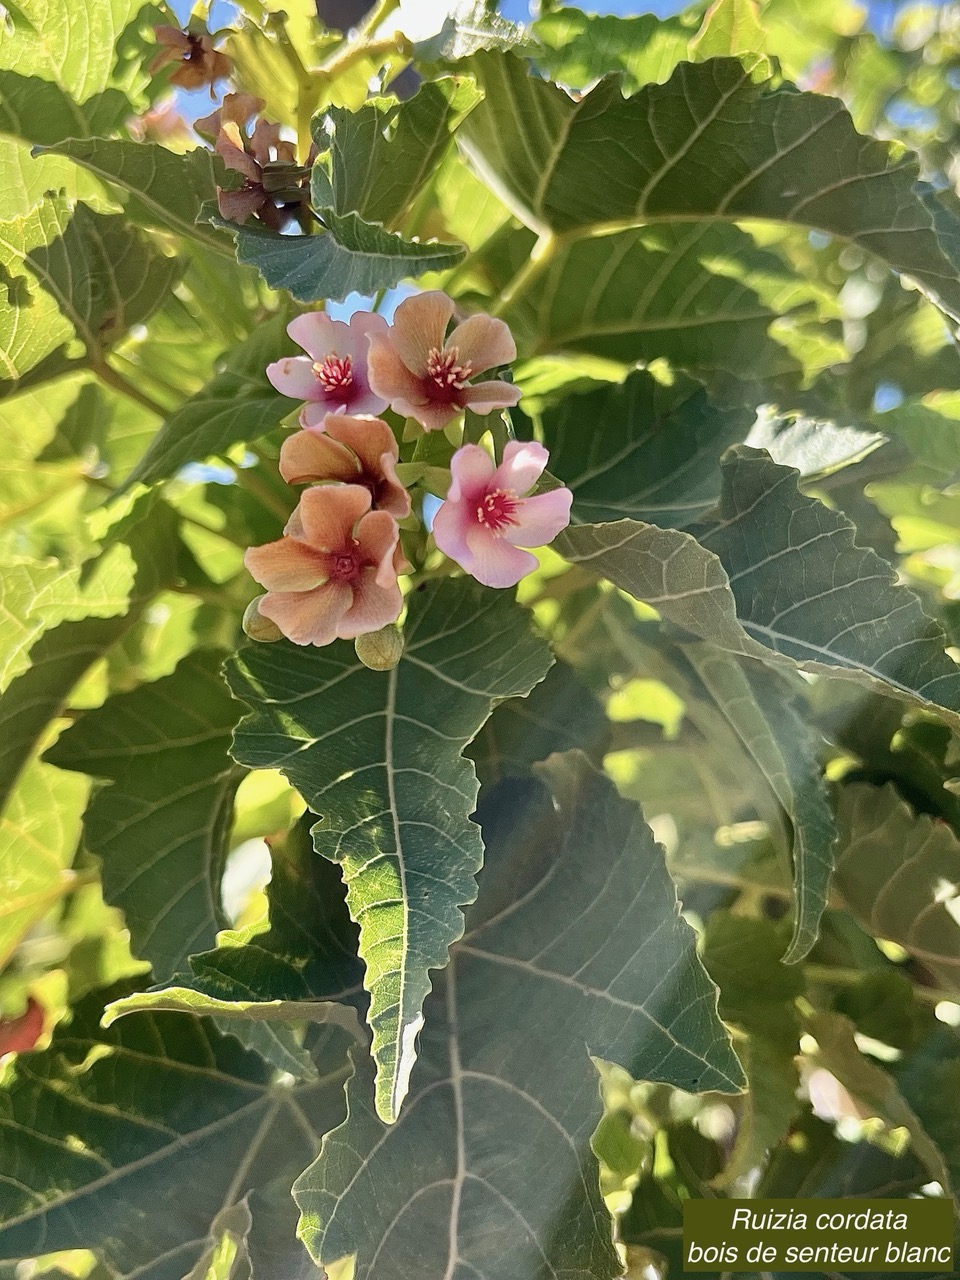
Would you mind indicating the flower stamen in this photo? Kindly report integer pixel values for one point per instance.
(333, 372)
(497, 509)
(445, 370)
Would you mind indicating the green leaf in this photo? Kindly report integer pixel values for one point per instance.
(817, 447)
(164, 822)
(750, 586)
(757, 994)
(39, 832)
(73, 273)
(424, 1195)
(186, 1106)
(897, 871)
(346, 255)
(302, 968)
(578, 48)
(560, 714)
(60, 73)
(384, 154)
(764, 713)
(730, 27)
(164, 189)
(236, 406)
(697, 294)
(873, 1087)
(642, 449)
(396, 796)
(63, 654)
(710, 143)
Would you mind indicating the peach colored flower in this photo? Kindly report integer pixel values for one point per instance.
(200, 63)
(353, 450)
(426, 376)
(485, 519)
(333, 572)
(332, 376)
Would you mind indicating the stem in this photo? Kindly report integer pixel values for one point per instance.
(119, 383)
(841, 977)
(541, 258)
(249, 479)
(357, 52)
(379, 13)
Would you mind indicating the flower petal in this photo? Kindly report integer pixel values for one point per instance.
(473, 472)
(308, 617)
(522, 466)
(450, 526)
(237, 206)
(329, 514)
(229, 147)
(369, 438)
(314, 415)
(392, 496)
(483, 343)
(494, 561)
(481, 397)
(294, 377)
(419, 326)
(318, 334)
(389, 377)
(432, 416)
(377, 534)
(374, 605)
(286, 565)
(540, 519)
(311, 455)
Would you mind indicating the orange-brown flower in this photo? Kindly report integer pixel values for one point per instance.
(425, 375)
(236, 108)
(334, 572)
(359, 451)
(200, 63)
(251, 158)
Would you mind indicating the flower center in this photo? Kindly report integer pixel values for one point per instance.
(345, 565)
(496, 510)
(445, 370)
(334, 373)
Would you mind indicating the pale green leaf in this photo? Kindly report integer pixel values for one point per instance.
(163, 188)
(498, 1069)
(160, 829)
(395, 797)
(579, 48)
(237, 405)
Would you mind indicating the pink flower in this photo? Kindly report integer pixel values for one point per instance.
(333, 573)
(354, 450)
(485, 519)
(332, 376)
(424, 375)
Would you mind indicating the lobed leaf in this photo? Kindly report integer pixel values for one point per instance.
(497, 1070)
(392, 788)
(779, 576)
(346, 255)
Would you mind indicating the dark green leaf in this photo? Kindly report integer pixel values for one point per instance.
(710, 143)
(777, 573)
(346, 255)
(497, 1069)
(643, 449)
(897, 872)
(102, 1125)
(396, 794)
(160, 830)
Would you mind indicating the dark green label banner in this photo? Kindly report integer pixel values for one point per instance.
(876, 1236)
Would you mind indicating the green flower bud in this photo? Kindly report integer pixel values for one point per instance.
(256, 626)
(380, 650)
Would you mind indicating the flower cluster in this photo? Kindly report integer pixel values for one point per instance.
(334, 573)
(274, 185)
(198, 62)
